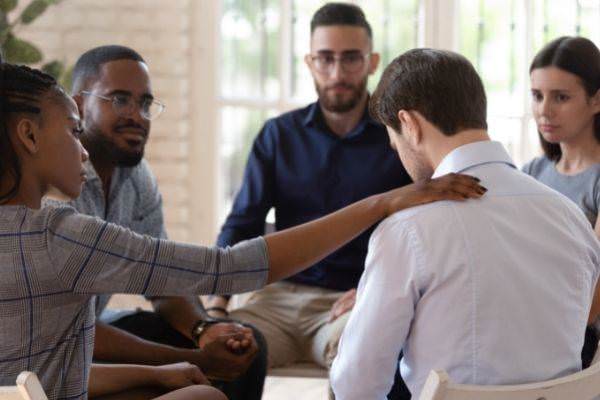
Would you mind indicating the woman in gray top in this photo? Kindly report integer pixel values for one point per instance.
(53, 260)
(565, 88)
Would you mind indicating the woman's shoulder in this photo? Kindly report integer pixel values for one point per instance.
(537, 165)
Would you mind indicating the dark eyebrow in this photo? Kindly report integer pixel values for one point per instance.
(553, 91)
(559, 91)
(118, 91)
(351, 52)
(145, 96)
(345, 52)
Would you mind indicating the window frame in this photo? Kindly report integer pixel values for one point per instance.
(438, 27)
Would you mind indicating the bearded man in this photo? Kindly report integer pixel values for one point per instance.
(305, 164)
(113, 90)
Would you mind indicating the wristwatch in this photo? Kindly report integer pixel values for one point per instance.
(201, 326)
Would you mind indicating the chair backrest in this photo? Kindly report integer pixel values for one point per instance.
(28, 388)
(583, 385)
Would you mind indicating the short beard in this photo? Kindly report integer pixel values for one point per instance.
(103, 149)
(336, 104)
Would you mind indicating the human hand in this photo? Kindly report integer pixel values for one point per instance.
(342, 305)
(229, 348)
(448, 187)
(179, 375)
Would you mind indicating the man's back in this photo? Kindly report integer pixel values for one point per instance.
(505, 297)
(493, 291)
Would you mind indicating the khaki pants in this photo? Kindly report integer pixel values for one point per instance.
(294, 320)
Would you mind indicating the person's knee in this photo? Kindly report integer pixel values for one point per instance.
(196, 392)
(335, 334)
(331, 350)
(207, 392)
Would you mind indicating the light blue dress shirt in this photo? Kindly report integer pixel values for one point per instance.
(494, 291)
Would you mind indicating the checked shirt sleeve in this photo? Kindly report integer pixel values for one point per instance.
(92, 256)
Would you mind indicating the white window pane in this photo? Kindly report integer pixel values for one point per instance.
(395, 29)
(239, 127)
(590, 19)
(302, 83)
(491, 36)
(249, 49)
(508, 132)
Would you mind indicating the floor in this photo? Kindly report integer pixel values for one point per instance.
(295, 389)
(276, 388)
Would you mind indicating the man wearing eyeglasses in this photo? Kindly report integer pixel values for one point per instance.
(111, 85)
(305, 164)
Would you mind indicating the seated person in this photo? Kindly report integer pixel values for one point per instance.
(566, 106)
(55, 261)
(494, 292)
(306, 164)
(120, 188)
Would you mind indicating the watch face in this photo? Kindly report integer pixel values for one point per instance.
(201, 326)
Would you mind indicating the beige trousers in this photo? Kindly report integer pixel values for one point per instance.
(295, 322)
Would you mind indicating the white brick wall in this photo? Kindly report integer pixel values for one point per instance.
(161, 31)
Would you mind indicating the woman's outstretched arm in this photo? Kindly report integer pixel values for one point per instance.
(293, 249)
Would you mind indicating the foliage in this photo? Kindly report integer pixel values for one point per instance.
(20, 51)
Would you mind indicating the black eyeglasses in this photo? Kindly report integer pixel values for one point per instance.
(350, 62)
(124, 104)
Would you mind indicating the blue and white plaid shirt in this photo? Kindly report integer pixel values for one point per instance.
(53, 261)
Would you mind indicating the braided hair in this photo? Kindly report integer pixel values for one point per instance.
(21, 89)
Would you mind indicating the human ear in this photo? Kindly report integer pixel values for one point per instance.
(28, 135)
(79, 101)
(373, 62)
(596, 102)
(308, 61)
(411, 129)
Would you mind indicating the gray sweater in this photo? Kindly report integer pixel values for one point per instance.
(583, 189)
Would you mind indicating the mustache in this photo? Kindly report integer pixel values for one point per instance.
(340, 85)
(131, 125)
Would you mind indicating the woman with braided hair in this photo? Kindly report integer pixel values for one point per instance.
(53, 260)
(37, 116)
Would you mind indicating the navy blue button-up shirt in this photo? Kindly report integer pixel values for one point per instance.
(301, 168)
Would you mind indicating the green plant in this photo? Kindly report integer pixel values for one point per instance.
(20, 51)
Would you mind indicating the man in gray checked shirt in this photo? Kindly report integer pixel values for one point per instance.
(112, 87)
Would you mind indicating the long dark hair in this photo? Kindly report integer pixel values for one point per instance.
(21, 89)
(580, 57)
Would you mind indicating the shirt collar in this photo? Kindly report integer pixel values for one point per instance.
(90, 171)
(314, 117)
(120, 174)
(311, 115)
(472, 155)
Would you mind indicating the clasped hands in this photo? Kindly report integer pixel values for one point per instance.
(229, 348)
